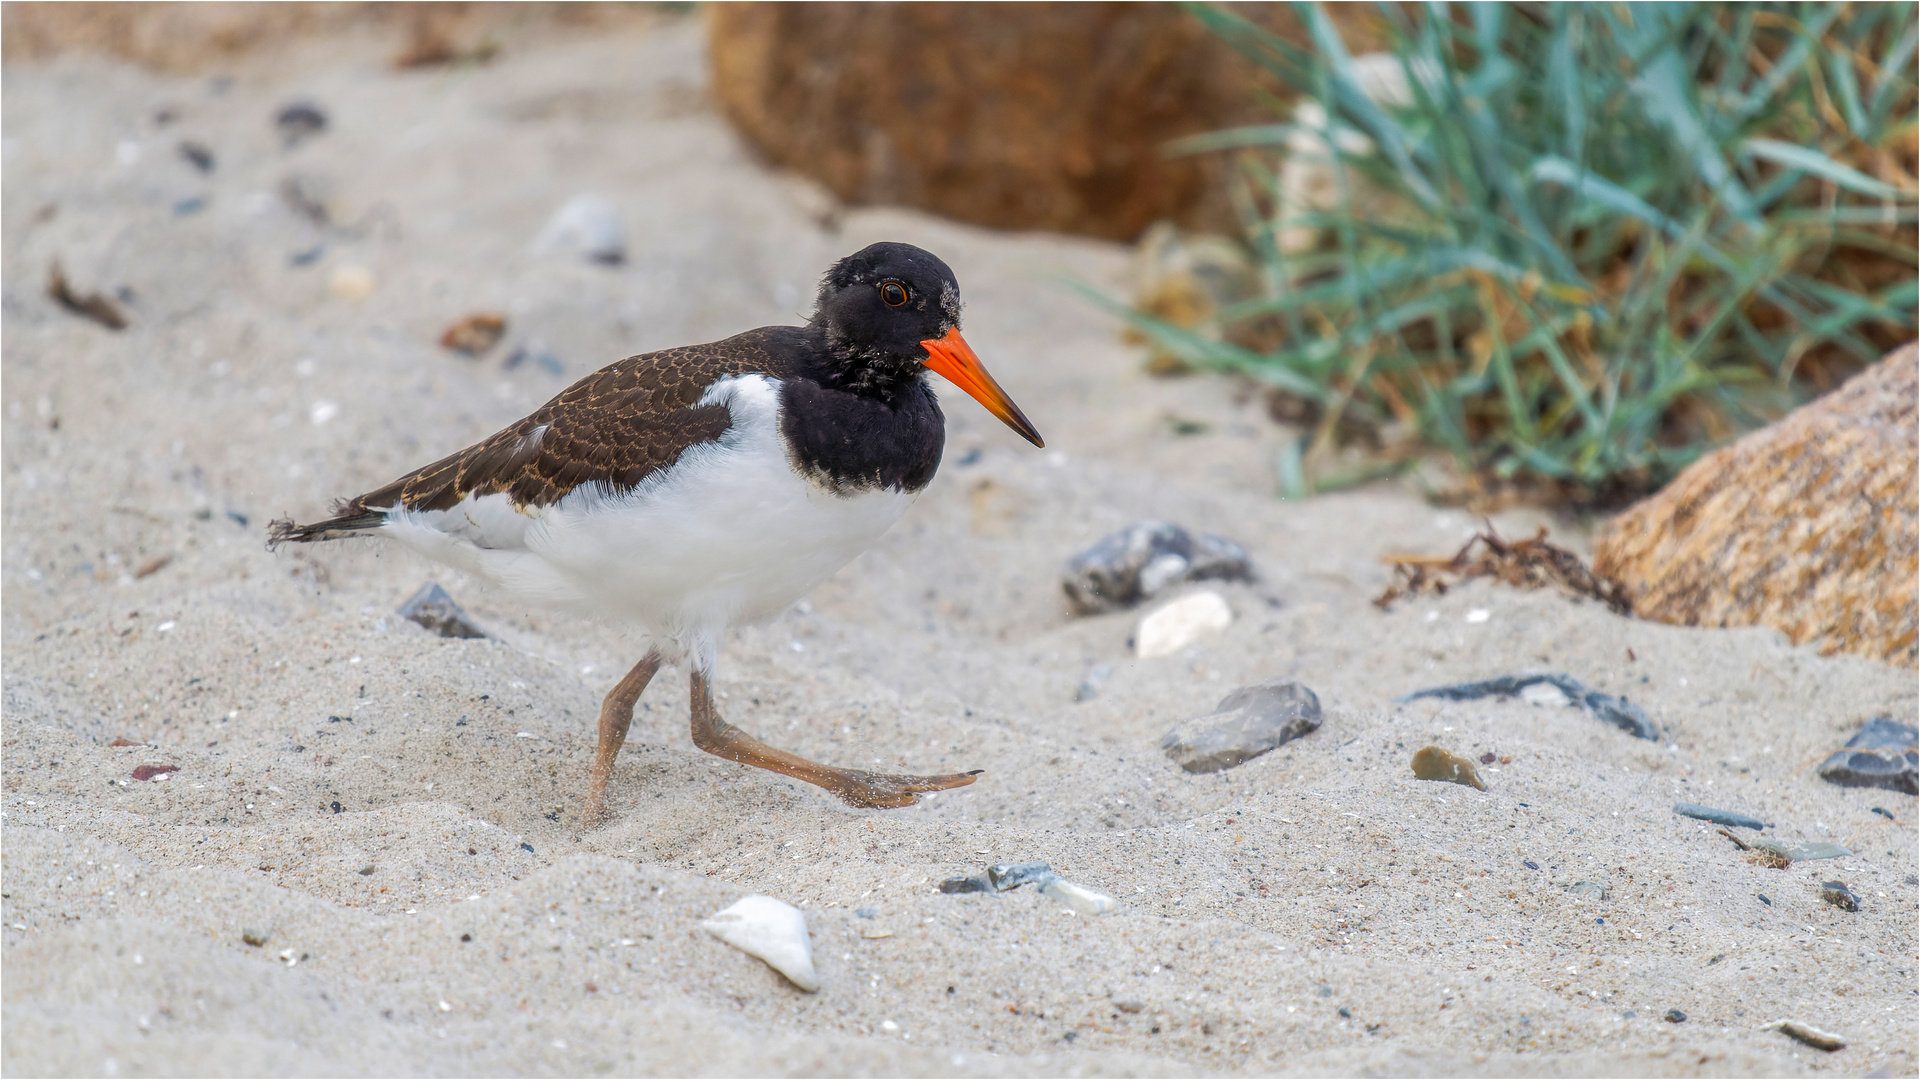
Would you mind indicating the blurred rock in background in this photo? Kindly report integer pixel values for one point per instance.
(1015, 116)
(1807, 526)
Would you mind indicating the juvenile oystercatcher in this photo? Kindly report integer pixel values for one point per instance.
(708, 486)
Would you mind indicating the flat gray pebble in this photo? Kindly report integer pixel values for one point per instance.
(1247, 723)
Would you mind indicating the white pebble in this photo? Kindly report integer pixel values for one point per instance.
(587, 227)
(351, 283)
(1168, 629)
(1077, 897)
(1479, 614)
(771, 930)
(1545, 695)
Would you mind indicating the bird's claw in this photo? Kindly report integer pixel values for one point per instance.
(886, 791)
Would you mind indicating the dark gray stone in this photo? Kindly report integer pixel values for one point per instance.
(1882, 754)
(1247, 723)
(966, 885)
(1617, 711)
(1718, 817)
(1136, 563)
(297, 120)
(432, 608)
(1675, 1016)
(1837, 894)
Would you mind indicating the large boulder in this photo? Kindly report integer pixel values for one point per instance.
(1020, 116)
(1810, 526)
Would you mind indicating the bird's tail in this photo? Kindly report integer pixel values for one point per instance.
(351, 518)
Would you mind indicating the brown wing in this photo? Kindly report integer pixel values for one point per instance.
(617, 426)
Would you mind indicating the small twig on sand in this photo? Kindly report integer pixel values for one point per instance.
(1524, 564)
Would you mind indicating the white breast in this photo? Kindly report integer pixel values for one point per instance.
(730, 534)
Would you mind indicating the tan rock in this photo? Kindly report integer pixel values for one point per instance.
(1023, 116)
(1808, 526)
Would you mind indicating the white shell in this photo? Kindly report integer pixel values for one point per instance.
(1168, 629)
(773, 931)
(1078, 897)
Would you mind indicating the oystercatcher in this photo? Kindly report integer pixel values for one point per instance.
(708, 486)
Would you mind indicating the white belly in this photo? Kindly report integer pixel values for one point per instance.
(730, 534)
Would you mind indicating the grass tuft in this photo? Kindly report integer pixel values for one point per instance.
(1571, 244)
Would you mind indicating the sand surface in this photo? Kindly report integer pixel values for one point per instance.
(1316, 910)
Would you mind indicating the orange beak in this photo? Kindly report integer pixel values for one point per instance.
(953, 358)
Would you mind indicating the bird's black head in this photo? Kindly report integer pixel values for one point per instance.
(878, 304)
(890, 310)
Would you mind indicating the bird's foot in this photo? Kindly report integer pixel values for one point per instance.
(594, 813)
(886, 791)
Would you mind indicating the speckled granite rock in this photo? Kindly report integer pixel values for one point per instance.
(1807, 526)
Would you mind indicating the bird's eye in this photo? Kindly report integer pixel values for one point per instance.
(893, 293)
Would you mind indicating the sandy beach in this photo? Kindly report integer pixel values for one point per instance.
(395, 815)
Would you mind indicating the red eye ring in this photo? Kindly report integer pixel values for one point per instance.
(893, 294)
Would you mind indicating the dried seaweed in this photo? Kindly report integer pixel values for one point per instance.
(1524, 564)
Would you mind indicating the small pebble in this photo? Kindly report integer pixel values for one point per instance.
(432, 608)
(1077, 897)
(774, 931)
(1529, 864)
(366, 870)
(475, 333)
(867, 912)
(1247, 723)
(535, 350)
(588, 226)
(197, 155)
(1013, 875)
(352, 283)
(1718, 817)
(256, 938)
(1174, 626)
(1136, 563)
(1545, 695)
(1433, 763)
(1090, 682)
(1346, 1013)
(1487, 759)
(148, 772)
(1837, 894)
(1884, 812)
(1591, 890)
(1812, 1036)
(297, 120)
(1130, 1006)
(1764, 900)
(966, 885)
(1674, 1016)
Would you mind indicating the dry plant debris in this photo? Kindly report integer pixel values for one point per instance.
(1524, 564)
(94, 306)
